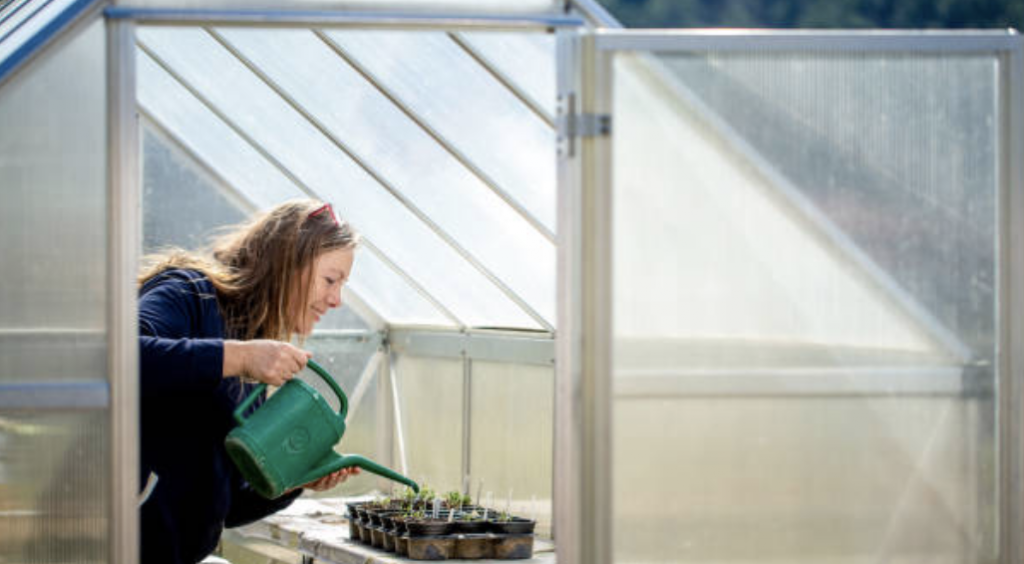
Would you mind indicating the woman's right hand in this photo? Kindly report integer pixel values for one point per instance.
(268, 361)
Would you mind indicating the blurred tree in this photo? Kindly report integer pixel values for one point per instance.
(820, 13)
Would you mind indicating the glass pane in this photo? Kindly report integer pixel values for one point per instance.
(444, 85)
(802, 255)
(407, 157)
(528, 59)
(319, 164)
(53, 219)
(54, 470)
(430, 399)
(511, 433)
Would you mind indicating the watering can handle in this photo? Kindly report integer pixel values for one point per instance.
(312, 364)
(342, 398)
(240, 411)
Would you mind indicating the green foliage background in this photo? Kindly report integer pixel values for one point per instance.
(912, 14)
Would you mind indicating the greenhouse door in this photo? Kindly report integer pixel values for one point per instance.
(790, 298)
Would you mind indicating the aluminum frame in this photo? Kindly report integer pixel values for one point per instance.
(324, 18)
(583, 390)
(1011, 293)
(124, 244)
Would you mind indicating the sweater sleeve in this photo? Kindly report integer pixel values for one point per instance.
(172, 361)
(248, 506)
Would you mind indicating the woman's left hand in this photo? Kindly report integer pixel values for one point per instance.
(332, 480)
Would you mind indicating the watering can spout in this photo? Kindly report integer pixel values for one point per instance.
(334, 462)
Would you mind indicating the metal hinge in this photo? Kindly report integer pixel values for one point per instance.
(573, 125)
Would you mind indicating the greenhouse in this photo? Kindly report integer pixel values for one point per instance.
(730, 296)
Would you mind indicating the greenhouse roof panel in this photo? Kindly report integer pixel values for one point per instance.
(323, 168)
(199, 130)
(525, 59)
(467, 107)
(25, 26)
(407, 158)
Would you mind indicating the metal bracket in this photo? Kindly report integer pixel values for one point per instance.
(572, 125)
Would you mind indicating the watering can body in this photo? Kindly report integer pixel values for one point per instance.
(289, 441)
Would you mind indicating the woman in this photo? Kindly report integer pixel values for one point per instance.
(210, 328)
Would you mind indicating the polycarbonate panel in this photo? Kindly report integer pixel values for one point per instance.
(198, 129)
(54, 474)
(390, 295)
(466, 105)
(427, 7)
(430, 400)
(762, 202)
(511, 433)
(24, 24)
(14, 13)
(407, 157)
(361, 437)
(53, 219)
(921, 191)
(325, 168)
(527, 59)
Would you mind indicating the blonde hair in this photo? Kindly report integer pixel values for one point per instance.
(261, 266)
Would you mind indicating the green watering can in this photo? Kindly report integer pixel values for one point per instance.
(289, 441)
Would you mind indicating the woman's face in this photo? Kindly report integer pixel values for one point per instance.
(330, 272)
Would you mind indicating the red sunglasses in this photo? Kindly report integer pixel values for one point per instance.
(325, 208)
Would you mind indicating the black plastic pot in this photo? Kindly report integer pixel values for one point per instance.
(516, 526)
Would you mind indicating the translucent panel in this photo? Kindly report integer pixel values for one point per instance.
(325, 169)
(404, 154)
(527, 59)
(24, 24)
(430, 399)
(53, 185)
(181, 205)
(512, 7)
(54, 471)
(361, 437)
(903, 156)
(390, 295)
(727, 271)
(198, 129)
(511, 433)
(444, 85)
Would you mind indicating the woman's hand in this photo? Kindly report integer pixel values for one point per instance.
(332, 480)
(264, 360)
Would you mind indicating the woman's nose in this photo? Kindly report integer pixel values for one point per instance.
(334, 298)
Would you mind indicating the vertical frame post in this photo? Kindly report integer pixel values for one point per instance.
(1011, 264)
(124, 243)
(583, 485)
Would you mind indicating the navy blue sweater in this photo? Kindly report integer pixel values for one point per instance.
(186, 412)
